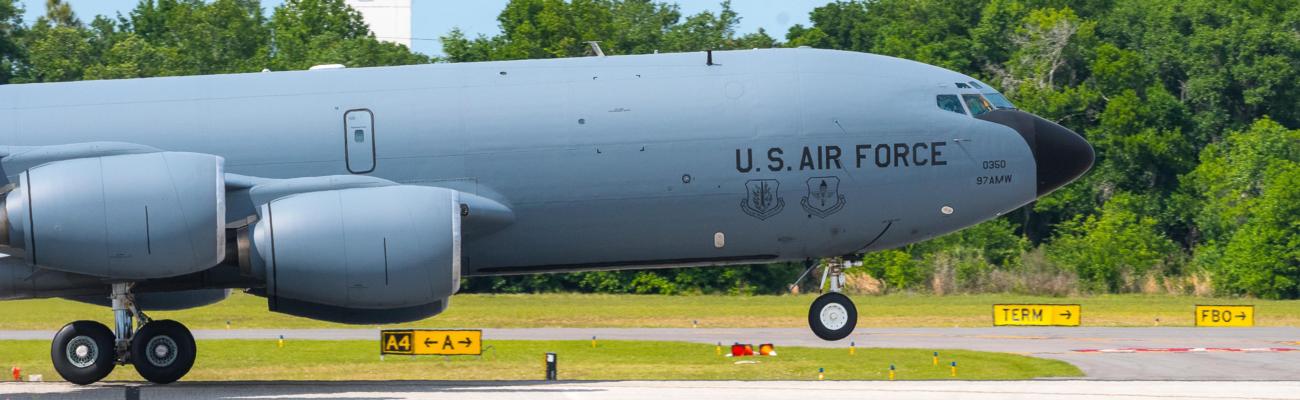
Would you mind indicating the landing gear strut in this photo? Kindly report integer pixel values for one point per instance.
(85, 352)
(832, 316)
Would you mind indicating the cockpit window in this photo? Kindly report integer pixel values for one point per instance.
(999, 101)
(950, 102)
(976, 104)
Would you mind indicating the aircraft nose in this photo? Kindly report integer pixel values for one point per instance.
(1060, 154)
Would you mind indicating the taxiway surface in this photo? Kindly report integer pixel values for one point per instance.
(1102, 353)
(637, 390)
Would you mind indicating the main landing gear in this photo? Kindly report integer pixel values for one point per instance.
(832, 316)
(85, 352)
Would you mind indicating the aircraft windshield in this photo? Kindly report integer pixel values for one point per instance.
(950, 102)
(976, 104)
(998, 100)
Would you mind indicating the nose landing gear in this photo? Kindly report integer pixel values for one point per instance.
(832, 316)
(85, 352)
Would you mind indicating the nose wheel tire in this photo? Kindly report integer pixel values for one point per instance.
(83, 352)
(163, 351)
(832, 316)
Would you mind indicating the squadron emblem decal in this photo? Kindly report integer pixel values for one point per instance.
(823, 197)
(762, 200)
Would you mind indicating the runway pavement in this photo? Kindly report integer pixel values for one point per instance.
(638, 390)
(1102, 353)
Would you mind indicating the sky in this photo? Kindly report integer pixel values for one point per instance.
(434, 18)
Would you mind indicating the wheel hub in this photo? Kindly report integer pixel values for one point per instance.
(82, 351)
(162, 351)
(833, 316)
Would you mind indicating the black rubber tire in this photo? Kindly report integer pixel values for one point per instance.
(101, 361)
(820, 329)
(171, 367)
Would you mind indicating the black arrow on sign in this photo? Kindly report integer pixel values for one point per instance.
(1242, 315)
(428, 342)
(1066, 314)
(466, 342)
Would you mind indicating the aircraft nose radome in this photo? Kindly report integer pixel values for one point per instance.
(1060, 154)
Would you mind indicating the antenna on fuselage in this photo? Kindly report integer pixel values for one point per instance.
(709, 62)
(595, 48)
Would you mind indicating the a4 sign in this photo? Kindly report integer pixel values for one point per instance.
(457, 342)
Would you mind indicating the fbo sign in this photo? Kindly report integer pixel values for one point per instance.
(1225, 315)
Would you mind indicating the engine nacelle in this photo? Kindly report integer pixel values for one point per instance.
(129, 217)
(365, 255)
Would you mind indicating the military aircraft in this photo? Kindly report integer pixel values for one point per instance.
(364, 195)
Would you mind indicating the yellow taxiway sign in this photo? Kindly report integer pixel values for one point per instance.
(431, 342)
(1225, 315)
(1037, 314)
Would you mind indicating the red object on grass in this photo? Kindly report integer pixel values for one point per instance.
(742, 350)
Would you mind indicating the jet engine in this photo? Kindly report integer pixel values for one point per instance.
(361, 255)
(127, 217)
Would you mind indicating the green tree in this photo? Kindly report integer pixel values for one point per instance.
(1191, 105)
(1263, 257)
(704, 31)
(132, 57)
(835, 26)
(895, 268)
(1232, 175)
(11, 29)
(929, 31)
(196, 37)
(1230, 62)
(314, 32)
(1248, 230)
(996, 240)
(60, 13)
(55, 53)
(1111, 251)
(559, 28)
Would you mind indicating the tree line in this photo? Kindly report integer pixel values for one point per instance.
(1192, 105)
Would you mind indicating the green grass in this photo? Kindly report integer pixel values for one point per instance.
(592, 311)
(515, 360)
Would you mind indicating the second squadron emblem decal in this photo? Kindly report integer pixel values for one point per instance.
(762, 200)
(823, 197)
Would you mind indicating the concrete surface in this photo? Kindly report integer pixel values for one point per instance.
(637, 390)
(1204, 353)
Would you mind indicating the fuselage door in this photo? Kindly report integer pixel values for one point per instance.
(359, 139)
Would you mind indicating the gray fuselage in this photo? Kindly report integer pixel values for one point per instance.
(606, 162)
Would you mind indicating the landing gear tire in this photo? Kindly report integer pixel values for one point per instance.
(83, 352)
(163, 351)
(832, 316)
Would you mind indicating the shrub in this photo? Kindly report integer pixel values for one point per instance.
(1112, 251)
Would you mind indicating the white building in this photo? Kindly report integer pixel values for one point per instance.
(389, 20)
